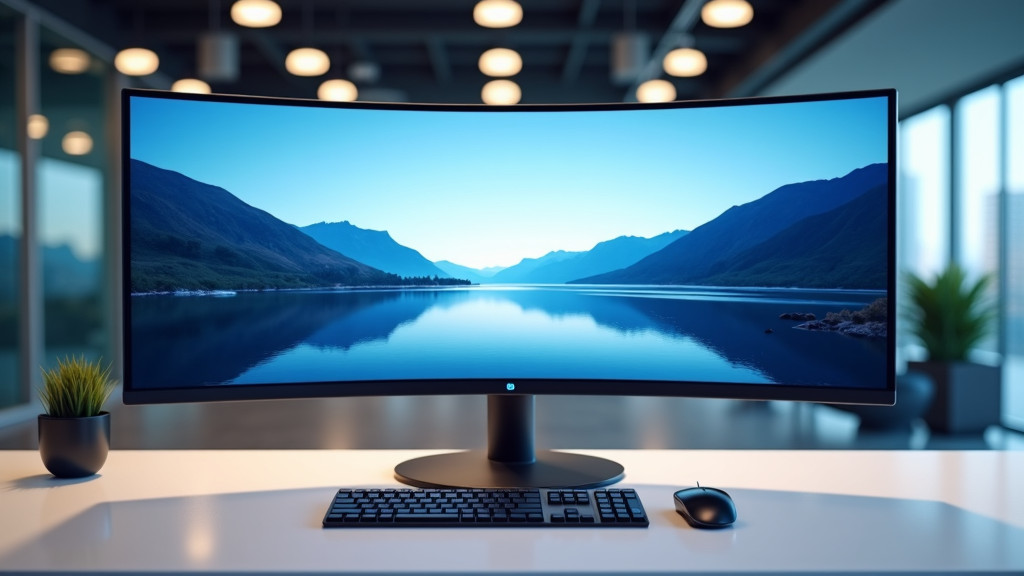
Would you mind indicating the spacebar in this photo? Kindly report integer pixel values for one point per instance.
(426, 518)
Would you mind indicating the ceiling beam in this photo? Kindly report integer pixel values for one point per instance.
(578, 47)
(273, 53)
(453, 37)
(439, 60)
(801, 33)
(793, 25)
(360, 45)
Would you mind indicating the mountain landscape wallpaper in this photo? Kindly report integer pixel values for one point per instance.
(723, 244)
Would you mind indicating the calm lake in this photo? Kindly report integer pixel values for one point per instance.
(507, 332)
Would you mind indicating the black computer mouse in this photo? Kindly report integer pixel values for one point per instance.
(704, 507)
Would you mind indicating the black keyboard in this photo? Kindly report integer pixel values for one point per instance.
(472, 507)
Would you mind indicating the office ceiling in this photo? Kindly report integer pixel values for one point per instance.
(427, 50)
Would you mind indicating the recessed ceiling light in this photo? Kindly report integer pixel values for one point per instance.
(727, 13)
(191, 86)
(69, 60)
(136, 61)
(256, 13)
(685, 62)
(38, 126)
(501, 93)
(337, 90)
(307, 62)
(76, 143)
(500, 62)
(656, 90)
(497, 13)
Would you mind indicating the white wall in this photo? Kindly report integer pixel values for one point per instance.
(926, 49)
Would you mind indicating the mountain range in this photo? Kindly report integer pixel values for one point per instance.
(474, 275)
(374, 248)
(845, 247)
(560, 266)
(186, 234)
(774, 240)
(189, 235)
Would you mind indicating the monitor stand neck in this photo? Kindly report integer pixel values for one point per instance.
(510, 429)
(510, 460)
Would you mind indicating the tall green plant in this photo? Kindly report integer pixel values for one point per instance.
(949, 315)
(76, 388)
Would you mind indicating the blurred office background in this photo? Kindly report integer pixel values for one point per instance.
(958, 66)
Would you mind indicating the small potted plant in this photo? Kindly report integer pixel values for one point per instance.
(74, 434)
(949, 316)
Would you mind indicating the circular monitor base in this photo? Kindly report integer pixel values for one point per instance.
(473, 469)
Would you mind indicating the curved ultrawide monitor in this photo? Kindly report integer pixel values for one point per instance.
(281, 248)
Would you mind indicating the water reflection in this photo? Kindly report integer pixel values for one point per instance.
(515, 332)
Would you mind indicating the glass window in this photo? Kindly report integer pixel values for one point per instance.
(70, 177)
(10, 210)
(924, 186)
(978, 179)
(978, 183)
(922, 205)
(1013, 372)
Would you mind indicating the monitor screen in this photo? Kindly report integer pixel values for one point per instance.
(285, 248)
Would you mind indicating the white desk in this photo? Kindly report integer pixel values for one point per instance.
(260, 511)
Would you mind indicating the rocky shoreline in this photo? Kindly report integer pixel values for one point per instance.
(868, 322)
(865, 330)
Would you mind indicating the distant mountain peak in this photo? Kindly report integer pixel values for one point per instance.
(373, 247)
(347, 224)
(560, 266)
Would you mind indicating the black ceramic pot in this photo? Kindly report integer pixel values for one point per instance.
(968, 396)
(74, 447)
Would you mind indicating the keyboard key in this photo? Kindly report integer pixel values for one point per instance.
(388, 507)
(444, 518)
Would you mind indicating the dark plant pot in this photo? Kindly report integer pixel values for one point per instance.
(914, 392)
(968, 396)
(74, 447)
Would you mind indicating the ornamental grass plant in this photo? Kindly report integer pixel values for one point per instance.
(950, 315)
(76, 388)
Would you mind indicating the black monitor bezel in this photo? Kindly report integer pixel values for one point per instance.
(489, 386)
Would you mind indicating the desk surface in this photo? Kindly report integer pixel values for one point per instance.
(260, 511)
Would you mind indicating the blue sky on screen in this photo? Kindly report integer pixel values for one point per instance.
(490, 188)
